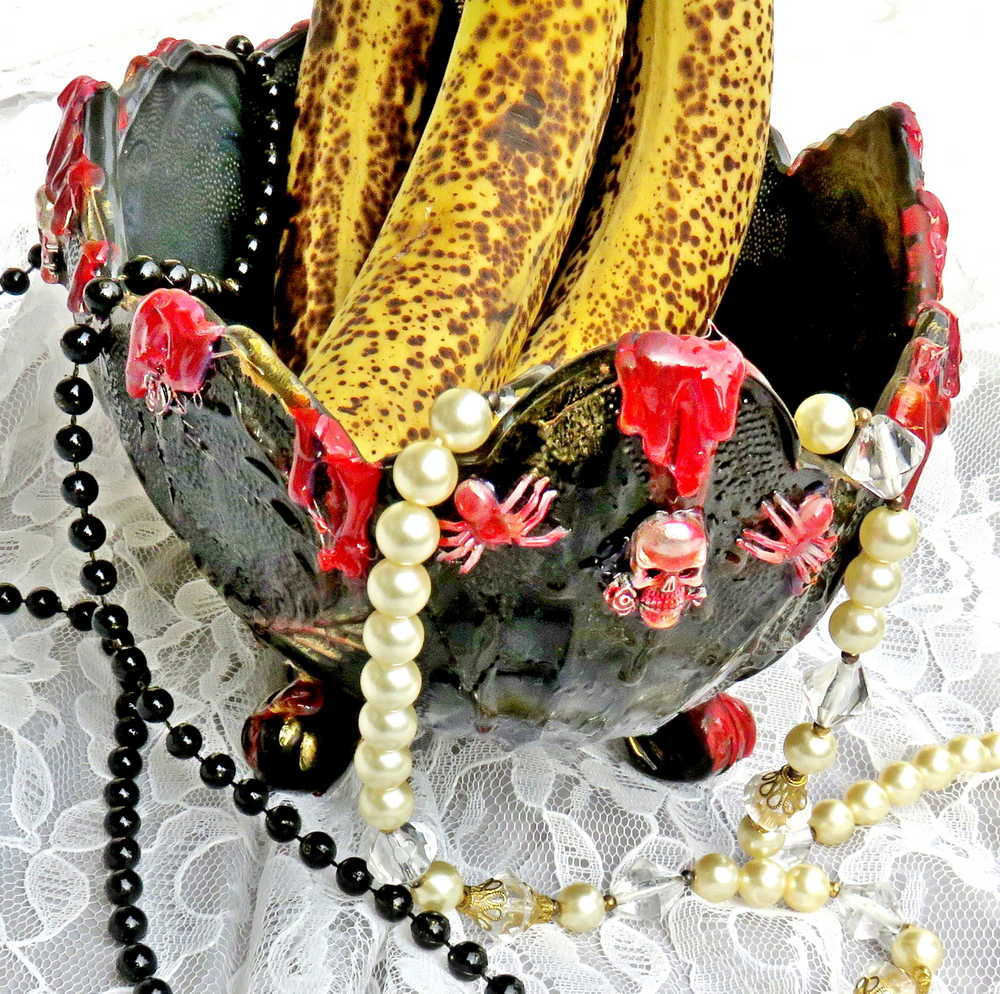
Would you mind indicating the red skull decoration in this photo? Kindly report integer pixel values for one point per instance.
(667, 554)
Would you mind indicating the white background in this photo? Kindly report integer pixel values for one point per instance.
(231, 912)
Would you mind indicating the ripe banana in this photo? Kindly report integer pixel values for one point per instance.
(676, 180)
(367, 70)
(456, 276)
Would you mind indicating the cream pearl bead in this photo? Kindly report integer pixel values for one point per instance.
(390, 687)
(387, 729)
(832, 822)
(855, 628)
(825, 423)
(382, 768)
(407, 533)
(872, 582)
(810, 750)
(762, 883)
(992, 743)
(889, 534)
(807, 888)
(398, 590)
(425, 473)
(937, 766)
(868, 801)
(969, 752)
(462, 419)
(755, 841)
(386, 808)
(903, 782)
(917, 947)
(440, 888)
(581, 907)
(716, 878)
(392, 640)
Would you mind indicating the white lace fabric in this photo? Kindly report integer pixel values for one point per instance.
(230, 911)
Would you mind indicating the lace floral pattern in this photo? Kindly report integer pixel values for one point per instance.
(229, 911)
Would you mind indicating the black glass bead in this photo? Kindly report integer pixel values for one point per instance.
(122, 821)
(430, 930)
(109, 620)
(252, 246)
(123, 887)
(81, 344)
(197, 284)
(81, 615)
(504, 984)
(87, 533)
(393, 902)
(14, 281)
(317, 850)
(73, 443)
(142, 275)
(136, 962)
(121, 854)
(240, 268)
(130, 668)
(73, 395)
(98, 577)
(353, 876)
(110, 646)
(121, 793)
(241, 46)
(261, 219)
(183, 741)
(260, 65)
(232, 287)
(175, 274)
(250, 796)
(271, 161)
(102, 296)
(282, 823)
(152, 985)
(42, 603)
(79, 488)
(131, 732)
(467, 960)
(35, 257)
(125, 704)
(268, 190)
(272, 125)
(10, 598)
(124, 762)
(271, 91)
(217, 770)
(127, 924)
(155, 704)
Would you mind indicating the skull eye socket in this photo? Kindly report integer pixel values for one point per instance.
(689, 574)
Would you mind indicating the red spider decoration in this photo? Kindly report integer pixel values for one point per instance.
(487, 523)
(803, 537)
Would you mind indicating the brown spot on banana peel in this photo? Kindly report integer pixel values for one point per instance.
(473, 237)
(675, 181)
(367, 71)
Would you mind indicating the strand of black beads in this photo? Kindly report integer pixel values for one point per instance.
(16, 280)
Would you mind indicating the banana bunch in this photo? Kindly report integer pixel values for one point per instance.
(588, 169)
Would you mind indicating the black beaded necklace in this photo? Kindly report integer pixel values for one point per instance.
(141, 702)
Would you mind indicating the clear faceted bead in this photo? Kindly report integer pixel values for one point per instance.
(798, 842)
(402, 857)
(867, 911)
(777, 800)
(648, 892)
(518, 906)
(883, 457)
(886, 979)
(836, 692)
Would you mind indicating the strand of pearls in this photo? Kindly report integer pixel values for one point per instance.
(407, 534)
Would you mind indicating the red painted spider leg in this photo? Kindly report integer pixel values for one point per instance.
(474, 557)
(462, 548)
(544, 502)
(785, 528)
(518, 492)
(541, 541)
